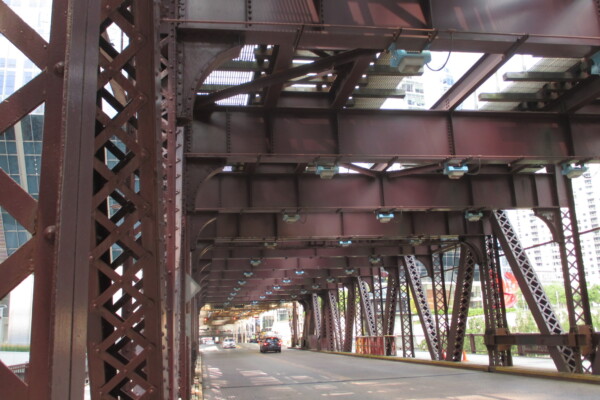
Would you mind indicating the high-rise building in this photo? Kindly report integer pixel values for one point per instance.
(20, 158)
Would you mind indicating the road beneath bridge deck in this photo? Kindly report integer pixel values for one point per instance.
(246, 374)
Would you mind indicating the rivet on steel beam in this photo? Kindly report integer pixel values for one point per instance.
(59, 68)
(50, 233)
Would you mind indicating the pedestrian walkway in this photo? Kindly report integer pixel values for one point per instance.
(518, 361)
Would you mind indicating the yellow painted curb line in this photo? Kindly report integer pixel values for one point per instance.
(520, 371)
(537, 373)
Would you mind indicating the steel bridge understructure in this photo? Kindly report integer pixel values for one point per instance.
(176, 189)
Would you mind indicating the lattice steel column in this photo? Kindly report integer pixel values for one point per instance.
(350, 316)
(378, 301)
(367, 307)
(427, 320)
(294, 324)
(541, 309)
(460, 305)
(391, 300)
(408, 347)
(440, 303)
(127, 206)
(391, 303)
(334, 317)
(493, 301)
(317, 317)
(563, 226)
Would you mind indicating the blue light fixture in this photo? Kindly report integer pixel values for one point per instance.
(573, 171)
(455, 171)
(384, 217)
(345, 243)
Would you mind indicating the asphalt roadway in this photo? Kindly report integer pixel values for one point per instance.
(246, 374)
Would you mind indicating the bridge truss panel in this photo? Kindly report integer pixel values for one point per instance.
(539, 304)
(461, 304)
(422, 305)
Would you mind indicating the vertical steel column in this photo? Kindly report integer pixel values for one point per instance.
(127, 211)
(359, 314)
(460, 305)
(171, 142)
(427, 321)
(440, 303)
(317, 317)
(367, 307)
(378, 301)
(59, 221)
(391, 300)
(493, 301)
(532, 289)
(563, 226)
(408, 346)
(334, 317)
(350, 317)
(308, 326)
(294, 324)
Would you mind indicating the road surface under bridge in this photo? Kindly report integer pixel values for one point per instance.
(246, 374)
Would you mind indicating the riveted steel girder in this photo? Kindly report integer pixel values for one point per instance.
(310, 135)
(354, 192)
(261, 228)
(455, 25)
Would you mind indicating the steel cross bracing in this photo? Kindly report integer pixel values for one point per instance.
(534, 294)
(367, 306)
(317, 317)
(564, 230)
(141, 98)
(391, 307)
(57, 250)
(408, 346)
(493, 300)
(334, 328)
(440, 302)
(422, 305)
(460, 304)
(126, 334)
(378, 301)
(350, 307)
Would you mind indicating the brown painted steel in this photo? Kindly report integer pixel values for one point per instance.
(126, 333)
(312, 135)
(59, 221)
(309, 193)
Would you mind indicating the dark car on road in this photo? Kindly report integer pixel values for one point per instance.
(270, 343)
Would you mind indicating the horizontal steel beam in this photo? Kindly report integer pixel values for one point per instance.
(289, 266)
(538, 339)
(228, 192)
(562, 28)
(270, 228)
(309, 135)
(360, 251)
